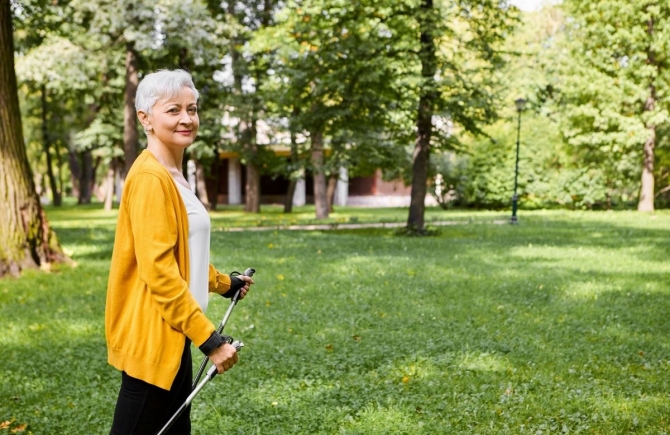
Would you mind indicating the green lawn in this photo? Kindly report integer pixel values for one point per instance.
(557, 325)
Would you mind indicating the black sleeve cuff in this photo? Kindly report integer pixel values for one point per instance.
(213, 342)
(235, 285)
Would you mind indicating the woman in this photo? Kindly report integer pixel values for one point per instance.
(160, 274)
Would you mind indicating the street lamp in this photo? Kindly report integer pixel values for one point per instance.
(520, 106)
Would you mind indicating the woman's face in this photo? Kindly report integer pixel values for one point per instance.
(174, 121)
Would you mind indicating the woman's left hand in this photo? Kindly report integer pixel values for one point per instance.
(248, 282)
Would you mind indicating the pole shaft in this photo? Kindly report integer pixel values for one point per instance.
(516, 165)
(233, 302)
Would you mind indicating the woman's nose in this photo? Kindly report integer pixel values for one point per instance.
(186, 118)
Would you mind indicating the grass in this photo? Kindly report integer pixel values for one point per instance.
(227, 217)
(557, 325)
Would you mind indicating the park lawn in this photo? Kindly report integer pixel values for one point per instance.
(228, 217)
(556, 325)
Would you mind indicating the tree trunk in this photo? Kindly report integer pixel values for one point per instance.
(252, 189)
(75, 170)
(330, 191)
(59, 165)
(646, 202)
(26, 239)
(319, 176)
(293, 180)
(46, 144)
(247, 134)
(130, 136)
(288, 199)
(200, 185)
(86, 180)
(109, 186)
(421, 154)
(215, 177)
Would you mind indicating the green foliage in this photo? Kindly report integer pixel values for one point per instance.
(575, 150)
(280, 71)
(547, 174)
(615, 84)
(334, 71)
(556, 325)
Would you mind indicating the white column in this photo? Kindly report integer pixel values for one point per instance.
(299, 194)
(190, 174)
(342, 188)
(234, 181)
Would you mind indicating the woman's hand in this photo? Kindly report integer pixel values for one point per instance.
(223, 357)
(248, 281)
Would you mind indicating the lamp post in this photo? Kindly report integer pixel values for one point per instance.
(520, 106)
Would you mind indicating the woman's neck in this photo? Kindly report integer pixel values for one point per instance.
(171, 159)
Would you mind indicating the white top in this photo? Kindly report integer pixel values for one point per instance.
(198, 245)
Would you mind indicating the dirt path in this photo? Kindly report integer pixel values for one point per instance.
(336, 226)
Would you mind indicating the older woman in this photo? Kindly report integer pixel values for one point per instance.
(160, 273)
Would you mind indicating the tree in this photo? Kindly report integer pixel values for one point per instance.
(130, 26)
(130, 39)
(459, 50)
(619, 86)
(245, 72)
(333, 75)
(26, 240)
(550, 172)
(56, 80)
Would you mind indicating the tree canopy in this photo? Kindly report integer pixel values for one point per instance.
(423, 89)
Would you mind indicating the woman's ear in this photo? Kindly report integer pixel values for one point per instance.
(144, 119)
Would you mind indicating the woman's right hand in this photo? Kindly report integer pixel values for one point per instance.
(224, 357)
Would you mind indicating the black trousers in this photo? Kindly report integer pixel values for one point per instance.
(143, 409)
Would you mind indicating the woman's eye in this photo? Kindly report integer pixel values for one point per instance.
(192, 110)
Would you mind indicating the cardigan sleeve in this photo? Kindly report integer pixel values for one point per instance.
(153, 218)
(218, 282)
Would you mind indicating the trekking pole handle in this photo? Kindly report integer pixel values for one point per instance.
(249, 272)
(212, 372)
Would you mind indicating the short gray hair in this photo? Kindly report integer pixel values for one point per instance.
(162, 84)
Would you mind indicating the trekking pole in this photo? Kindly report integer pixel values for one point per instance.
(211, 373)
(249, 272)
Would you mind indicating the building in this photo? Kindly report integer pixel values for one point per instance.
(370, 191)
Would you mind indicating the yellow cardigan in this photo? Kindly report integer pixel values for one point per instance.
(150, 309)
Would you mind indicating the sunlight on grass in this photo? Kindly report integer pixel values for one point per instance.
(482, 362)
(585, 291)
(378, 419)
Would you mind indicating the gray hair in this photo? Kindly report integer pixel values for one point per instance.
(162, 84)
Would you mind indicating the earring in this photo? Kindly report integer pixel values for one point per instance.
(147, 129)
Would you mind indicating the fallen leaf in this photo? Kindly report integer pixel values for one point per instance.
(19, 428)
(405, 379)
(5, 424)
